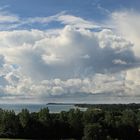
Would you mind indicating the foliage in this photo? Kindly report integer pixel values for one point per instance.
(100, 123)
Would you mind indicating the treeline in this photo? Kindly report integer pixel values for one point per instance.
(110, 107)
(93, 124)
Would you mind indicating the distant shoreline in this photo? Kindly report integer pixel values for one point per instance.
(60, 104)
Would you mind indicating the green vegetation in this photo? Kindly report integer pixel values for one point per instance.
(99, 122)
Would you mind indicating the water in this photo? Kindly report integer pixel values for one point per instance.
(54, 108)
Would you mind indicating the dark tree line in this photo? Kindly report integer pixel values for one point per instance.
(93, 124)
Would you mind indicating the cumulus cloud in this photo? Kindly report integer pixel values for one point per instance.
(71, 61)
(2, 61)
(132, 82)
(127, 24)
(72, 53)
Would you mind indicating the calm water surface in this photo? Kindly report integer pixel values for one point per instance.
(55, 108)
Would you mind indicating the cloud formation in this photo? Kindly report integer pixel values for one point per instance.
(73, 61)
(127, 24)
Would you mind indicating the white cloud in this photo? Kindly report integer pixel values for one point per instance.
(118, 61)
(6, 17)
(8, 20)
(127, 24)
(132, 82)
(63, 56)
(100, 83)
(76, 22)
(73, 61)
(11, 21)
(64, 19)
(70, 61)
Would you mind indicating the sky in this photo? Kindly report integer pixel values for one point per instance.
(72, 51)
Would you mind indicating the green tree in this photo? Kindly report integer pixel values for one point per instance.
(44, 117)
(24, 117)
(9, 124)
(63, 117)
(76, 122)
(92, 132)
(93, 116)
